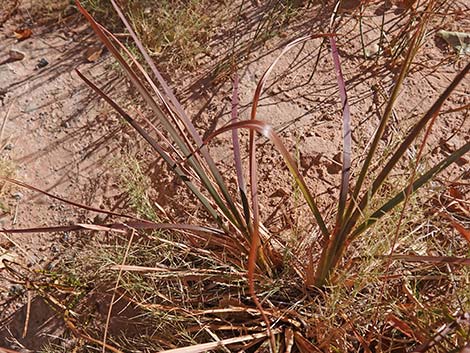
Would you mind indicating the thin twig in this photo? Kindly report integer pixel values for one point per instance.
(28, 310)
(5, 119)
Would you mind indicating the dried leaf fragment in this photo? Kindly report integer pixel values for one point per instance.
(16, 55)
(93, 53)
(23, 33)
(455, 193)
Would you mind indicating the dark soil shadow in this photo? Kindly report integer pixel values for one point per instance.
(42, 327)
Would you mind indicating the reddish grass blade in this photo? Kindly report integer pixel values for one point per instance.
(254, 108)
(346, 165)
(253, 164)
(400, 325)
(267, 131)
(255, 239)
(186, 121)
(265, 76)
(72, 203)
(304, 345)
(231, 212)
(173, 165)
(464, 232)
(237, 155)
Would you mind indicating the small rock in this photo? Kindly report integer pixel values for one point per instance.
(16, 289)
(32, 261)
(372, 51)
(54, 248)
(42, 63)
(66, 236)
(8, 147)
(200, 58)
(17, 195)
(460, 41)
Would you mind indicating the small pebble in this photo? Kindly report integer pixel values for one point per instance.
(42, 63)
(17, 196)
(8, 147)
(16, 289)
(372, 51)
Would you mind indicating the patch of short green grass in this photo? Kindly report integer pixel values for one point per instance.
(134, 181)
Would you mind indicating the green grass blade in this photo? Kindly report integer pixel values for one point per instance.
(398, 198)
(267, 130)
(346, 165)
(383, 122)
(290, 163)
(333, 251)
(414, 132)
(412, 135)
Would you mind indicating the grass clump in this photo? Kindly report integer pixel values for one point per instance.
(175, 32)
(228, 285)
(136, 184)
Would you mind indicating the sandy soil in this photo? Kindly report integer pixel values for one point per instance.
(59, 138)
(56, 137)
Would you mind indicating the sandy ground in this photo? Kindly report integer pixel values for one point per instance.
(59, 138)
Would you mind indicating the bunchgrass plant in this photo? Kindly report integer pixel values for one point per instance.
(238, 233)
